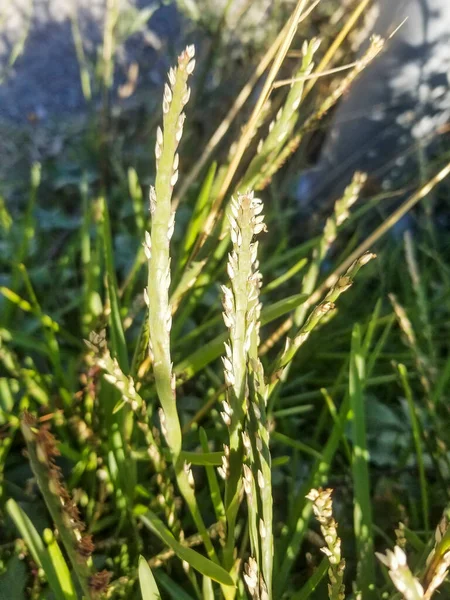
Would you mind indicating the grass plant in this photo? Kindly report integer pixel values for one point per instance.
(183, 448)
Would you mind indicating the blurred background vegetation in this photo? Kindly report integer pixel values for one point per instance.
(77, 137)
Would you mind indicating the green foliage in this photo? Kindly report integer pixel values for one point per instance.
(152, 468)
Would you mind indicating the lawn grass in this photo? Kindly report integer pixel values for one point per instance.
(185, 383)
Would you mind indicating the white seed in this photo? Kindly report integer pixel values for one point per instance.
(191, 66)
(227, 363)
(146, 298)
(229, 378)
(158, 151)
(316, 44)
(261, 481)
(259, 443)
(190, 51)
(147, 252)
(176, 162)
(222, 473)
(233, 223)
(152, 196)
(258, 207)
(172, 77)
(167, 93)
(227, 350)
(186, 96)
(165, 106)
(230, 271)
(226, 418)
(247, 488)
(262, 529)
(228, 320)
(159, 136)
(227, 408)
(246, 440)
(174, 178)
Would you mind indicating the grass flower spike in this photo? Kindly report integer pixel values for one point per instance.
(157, 243)
(245, 385)
(157, 251)
(323, 511)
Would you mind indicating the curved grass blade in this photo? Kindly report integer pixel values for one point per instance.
(36, 546)
(196, 561)
(149, 589)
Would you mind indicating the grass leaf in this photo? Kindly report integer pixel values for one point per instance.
(197, 561)
(149, 589)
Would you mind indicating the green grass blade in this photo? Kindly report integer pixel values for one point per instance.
(137, 200)
(416, 431)
(118, 343)
(298, 521)
(207, 589)
(199, 215)
(36, 546)
(197, 561)
(149, 589)
(174, 591)
(206, 354)
(360, 468)
(203, 459)
(214, 488)
(273, 285)
(60, 565)
(313, 582)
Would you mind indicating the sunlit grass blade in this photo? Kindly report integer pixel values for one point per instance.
(60, 565)
(147, 583)
(37, 548)
(361, 480)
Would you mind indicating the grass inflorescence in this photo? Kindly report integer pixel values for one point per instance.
(182, 449)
